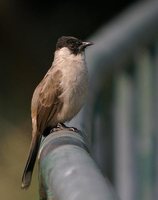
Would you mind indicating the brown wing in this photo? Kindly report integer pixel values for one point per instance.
(49, 103)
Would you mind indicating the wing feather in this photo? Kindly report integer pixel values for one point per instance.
(49, 102)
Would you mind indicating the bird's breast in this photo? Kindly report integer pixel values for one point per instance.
(74, 84)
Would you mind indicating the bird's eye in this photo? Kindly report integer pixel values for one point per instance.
(78, 43)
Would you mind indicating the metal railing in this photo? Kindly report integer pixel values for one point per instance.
(66, 170)
(122, 110)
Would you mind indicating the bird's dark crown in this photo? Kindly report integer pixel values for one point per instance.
(75, 45)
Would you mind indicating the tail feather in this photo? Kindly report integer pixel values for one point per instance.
(27, 174)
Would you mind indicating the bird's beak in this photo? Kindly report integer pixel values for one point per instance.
(86, 44)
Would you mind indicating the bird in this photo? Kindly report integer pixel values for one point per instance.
(59, 96)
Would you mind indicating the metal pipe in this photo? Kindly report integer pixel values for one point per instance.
(67, 172)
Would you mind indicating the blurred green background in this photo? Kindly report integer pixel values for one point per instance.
(28, 33)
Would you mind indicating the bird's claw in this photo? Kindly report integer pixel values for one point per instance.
(61, 126)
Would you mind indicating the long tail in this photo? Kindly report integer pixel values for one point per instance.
(27, 174)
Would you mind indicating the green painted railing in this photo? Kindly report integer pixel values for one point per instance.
(67, 172)
(121, 116)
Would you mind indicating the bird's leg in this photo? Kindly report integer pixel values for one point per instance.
(62, 126)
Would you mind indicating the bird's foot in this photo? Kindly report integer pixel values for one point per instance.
(61, 126)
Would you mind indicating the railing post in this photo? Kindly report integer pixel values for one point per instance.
(67, 172)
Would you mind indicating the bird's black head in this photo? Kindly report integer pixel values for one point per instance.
(75, 45)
